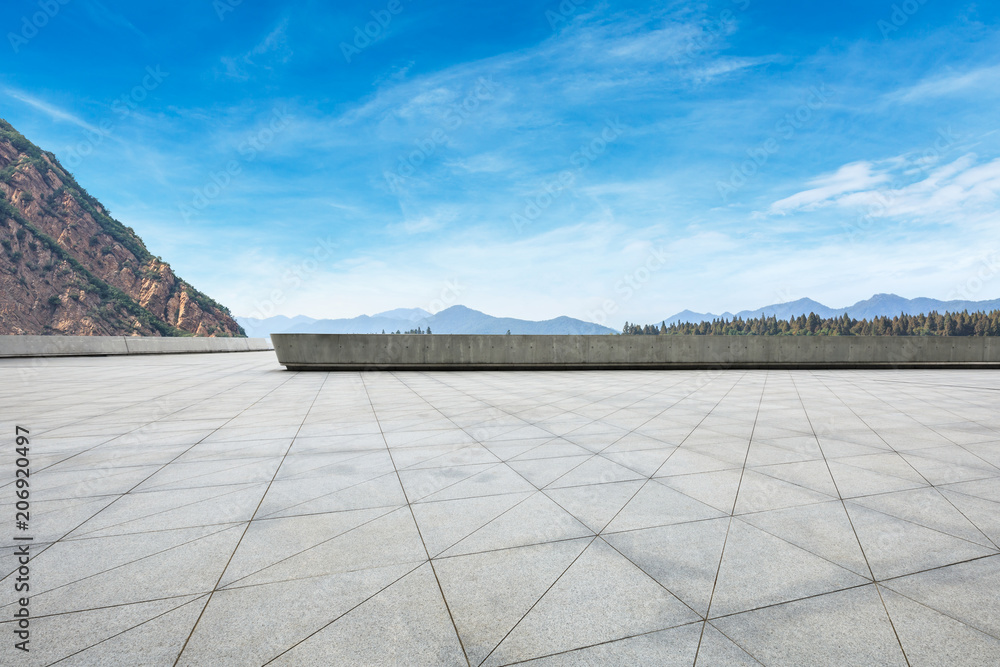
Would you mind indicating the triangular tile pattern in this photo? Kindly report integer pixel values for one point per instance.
(312, 603)
(568, 517)
(683, 557)
(671, 648)
(848, 627)
(488, 593)
(931, 638)
(601, 597)
(895, 547)
(759, 569)
(597, 504)
(82, 636)
(407, 623)
(717, 649)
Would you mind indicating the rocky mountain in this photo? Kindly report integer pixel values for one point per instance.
(68, 267)
(454, 320)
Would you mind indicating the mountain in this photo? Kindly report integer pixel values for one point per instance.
(880, 305)
(68, 267)
(783, 311)
(689, 316)
(454, 320)
(411, 314)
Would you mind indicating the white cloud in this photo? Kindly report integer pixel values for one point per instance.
(952, 83)
(50, 109)
(850, 178)
(897, 188)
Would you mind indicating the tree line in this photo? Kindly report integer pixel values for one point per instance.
(931, 324)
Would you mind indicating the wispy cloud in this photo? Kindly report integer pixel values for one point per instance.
(851, 178)
(974, 81)
(945, 193)
(50, 109)
(271, 50)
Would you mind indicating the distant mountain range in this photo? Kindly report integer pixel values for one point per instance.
(880, 305)
(462, 320)
(454, 320)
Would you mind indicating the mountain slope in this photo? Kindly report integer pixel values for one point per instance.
(68, 267)
(783, 311)
(454, 320)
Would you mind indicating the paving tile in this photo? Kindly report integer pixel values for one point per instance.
(759, 569)
(602, 597)
(761, 493)
(658, 505)
(405, 624)
(488, 593)
(717, 649)
(931, 638)
(823, 529)
(595, 470)
(683, 558)
(534, 521)
(926, 507)
(110, 571)
(96, 636)
(966, 592)
(445, 523)
(895, 547)
(315, 494)
(715, 489)
(671, 648)
(597, 504)
(307, 605)
(542, 472)
(843, 628)
(389, 539)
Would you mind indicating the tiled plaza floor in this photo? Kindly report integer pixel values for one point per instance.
(218, 510)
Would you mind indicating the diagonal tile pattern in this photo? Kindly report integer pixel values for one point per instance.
(217, 510)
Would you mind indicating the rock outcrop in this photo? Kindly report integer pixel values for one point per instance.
(68, 267)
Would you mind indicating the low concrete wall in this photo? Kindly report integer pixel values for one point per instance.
(100, 346)
(476, 352)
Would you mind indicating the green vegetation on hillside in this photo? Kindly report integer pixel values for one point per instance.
(109, 295)
(931, 324)
(49, 167)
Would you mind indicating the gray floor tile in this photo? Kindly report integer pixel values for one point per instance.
(931, 638)
(683, 558)
(131, 488)
(965, 592)
(671, 648)
(405, 624)
(895, 547)
(488, 593)
(602, 597)
(658, 505)
(838, 629)
(759, 569)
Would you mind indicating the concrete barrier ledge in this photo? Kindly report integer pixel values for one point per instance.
(373, 352)
(101, 346)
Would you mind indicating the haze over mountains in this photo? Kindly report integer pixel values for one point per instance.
(463, 320)
(454, 320)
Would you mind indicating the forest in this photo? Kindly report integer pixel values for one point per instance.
(931, 324)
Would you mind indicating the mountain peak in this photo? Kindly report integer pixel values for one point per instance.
(70, 268)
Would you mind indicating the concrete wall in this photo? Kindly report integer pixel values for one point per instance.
(96, 346)
(475, 352)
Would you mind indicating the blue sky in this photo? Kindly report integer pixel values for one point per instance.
(605, 160)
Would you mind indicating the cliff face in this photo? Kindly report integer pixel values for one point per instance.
(67, 267)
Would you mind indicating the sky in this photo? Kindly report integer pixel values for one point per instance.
(611, 161)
